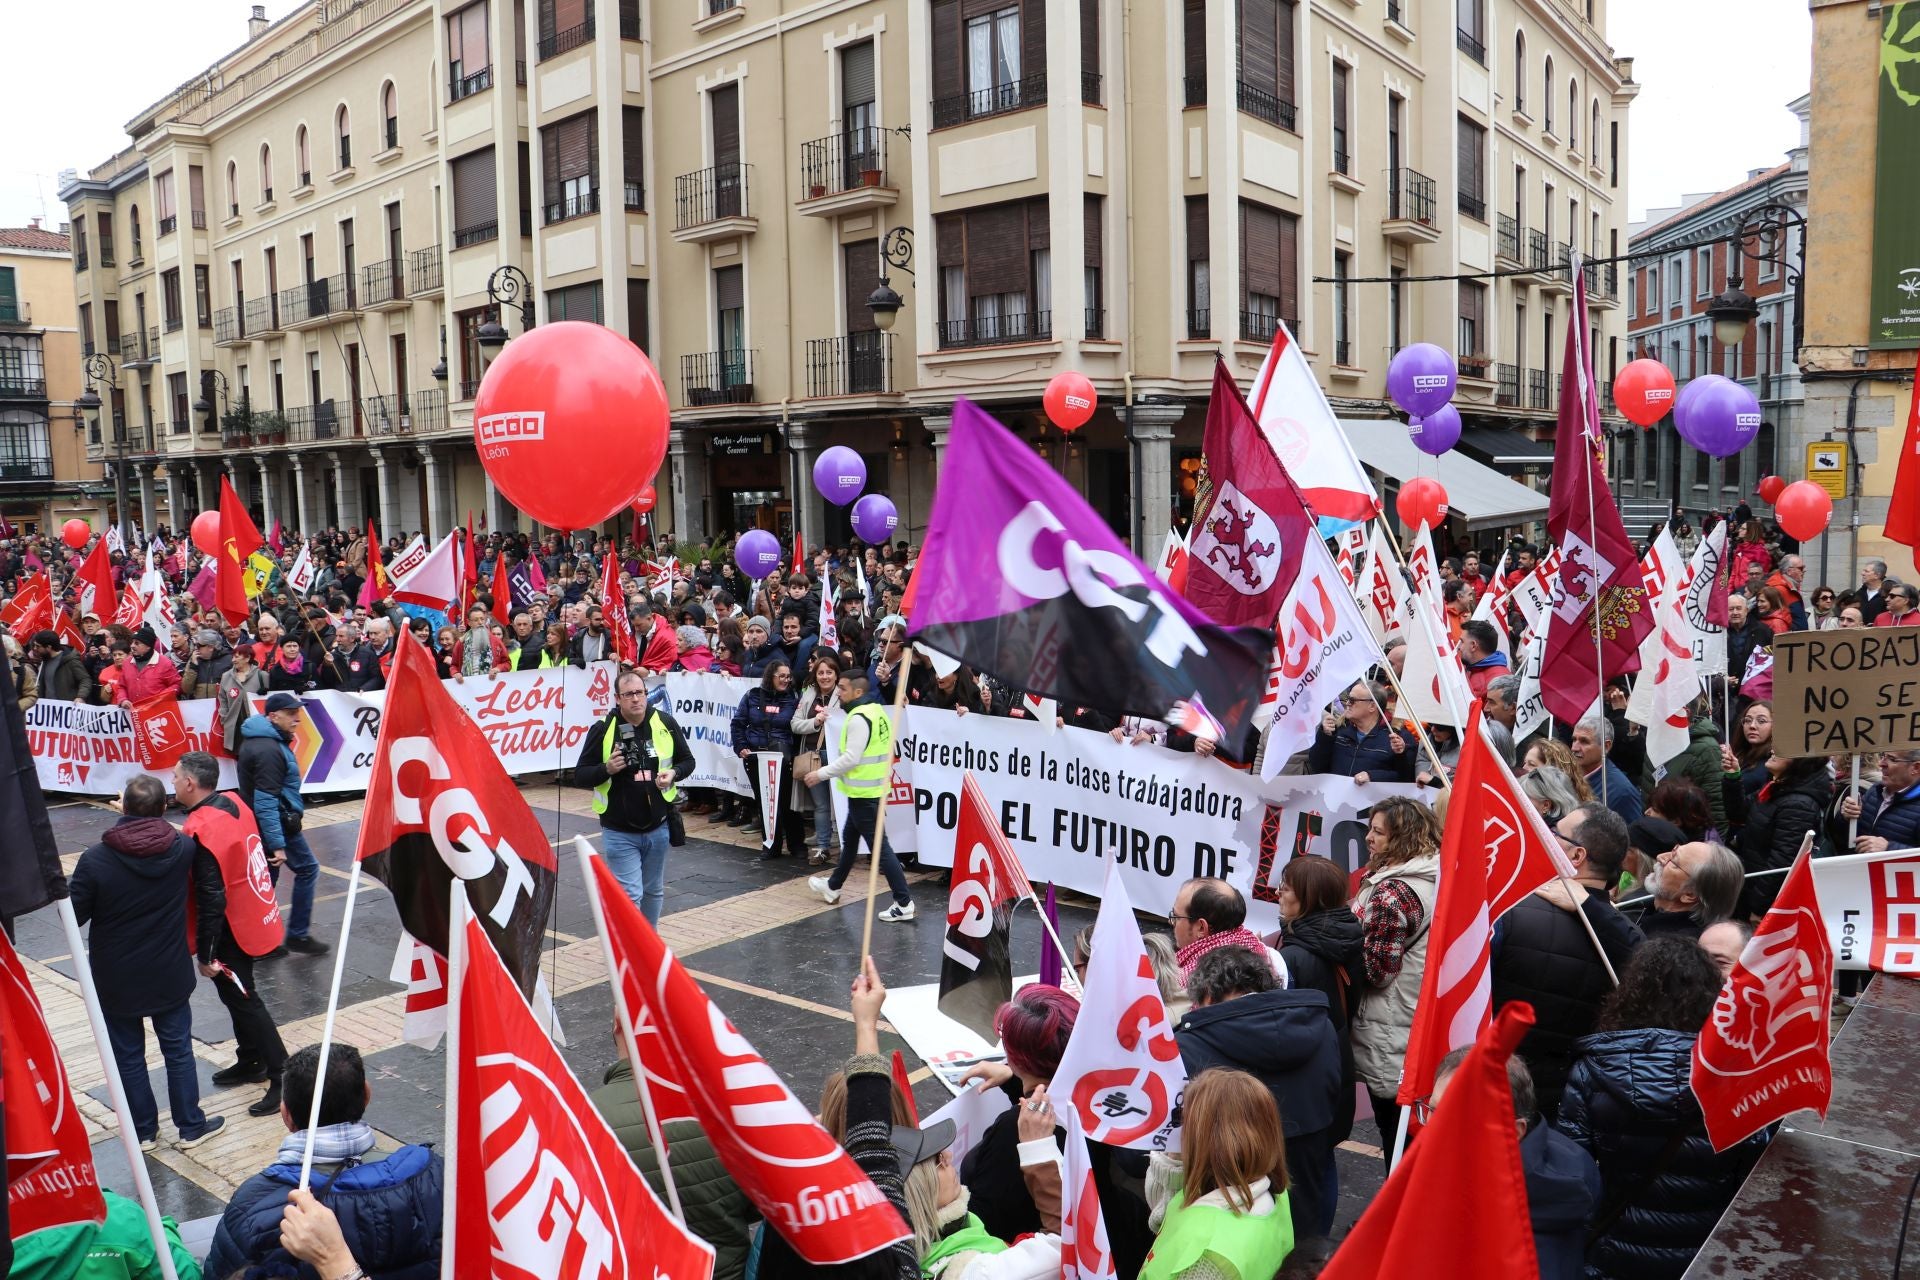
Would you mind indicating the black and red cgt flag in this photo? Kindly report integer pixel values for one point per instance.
(30, 874)
(442, 809)
(976, 970)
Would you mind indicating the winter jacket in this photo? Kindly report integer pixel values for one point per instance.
(388, 1204)
(1348, 751)
(133, 887)
(577, 648)
(1776, 824)
(794, 655)
(502, 661)
(632, 805)
(1796, 607)
(717, 1210)
(1322, 953)
(1700, 763)
(1563, 1194)
(200, 678)
(269, 780)
(64, 677)
(118, 1249)
(1485, 672)
(1747, 553)
(354, 670)
(235, 703)
(1742, 641)
(1542, 955)
(764, 721)
(1893, 817)
(1621, 795)
(139, 682)
(698, 658)
(1627, 1097)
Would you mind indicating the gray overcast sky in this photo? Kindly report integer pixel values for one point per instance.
(91, 64)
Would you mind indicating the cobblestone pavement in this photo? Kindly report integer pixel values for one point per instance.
(771, 954)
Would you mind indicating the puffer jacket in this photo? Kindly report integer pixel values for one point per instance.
(1322, 953)
(389, 1210)
(1895, 818)
(1776, 824)
(269, 779)
(1627, 1096)
(156, 676)
(1563, 1193)
(133, 888)
(717, 1210)
(764, 721)
(1700, 763)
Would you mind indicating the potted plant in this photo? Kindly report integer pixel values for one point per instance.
(236, 424)
(270, 427)
(1475, 366)
(869, 177)
(816, 190)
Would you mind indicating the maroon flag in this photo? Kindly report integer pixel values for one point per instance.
(1600, 607)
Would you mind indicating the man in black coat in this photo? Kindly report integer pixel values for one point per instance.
(1362, 746)
(1542, 954)
(350, 666)
(1745, 633)
(62, 672)
(133, 888)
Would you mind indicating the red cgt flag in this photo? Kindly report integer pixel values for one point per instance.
(613, 607)
(544, 1187)
(1459, 1196)
(239, 539)
(1763, 1054)
(50, 1174)
(1903, 508)
(805, 1186)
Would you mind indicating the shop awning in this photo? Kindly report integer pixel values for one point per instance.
(1479, 495)
(1504, 447)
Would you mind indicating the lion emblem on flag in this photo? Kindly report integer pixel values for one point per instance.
(1239, 541)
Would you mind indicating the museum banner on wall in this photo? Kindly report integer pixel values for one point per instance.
(1894, 293)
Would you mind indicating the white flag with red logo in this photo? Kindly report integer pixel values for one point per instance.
(1173, 562)
(1347, 546)
(1663, 696)
(1433, 684)
(829, 625)
(1492, 604)
(798, 1177)
(537, 1185)
(976, 971)
(1121, 1072)
(1321, 646)
(423, 971)
(50, 1174)
(129, 610)
(300, 577)
(1763, 1054)
(1085, 1253)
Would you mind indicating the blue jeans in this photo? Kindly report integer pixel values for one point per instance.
(863, 812)
(306, 874)
(174, 1030)
(822, 797)
(638, 860)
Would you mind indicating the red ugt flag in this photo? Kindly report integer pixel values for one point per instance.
(1599, 592)
(544, 1187)
(1763, 1054)
(50, 1174)
(804, 1185)
(1903, 509)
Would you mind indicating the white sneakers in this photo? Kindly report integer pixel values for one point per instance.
(819, 885)
(892, 913)
(895, 913)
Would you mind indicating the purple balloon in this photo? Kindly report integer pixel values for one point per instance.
(758, 554)
(1686, 394)
(1720, 418)
(1438, 432)
(874, 519)
(839, 474)
(1421, 378)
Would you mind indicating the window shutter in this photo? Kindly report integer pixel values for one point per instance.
(523, 172)
(548, 19)
(1039, 230)
(856, 74)
(1339, 85)
(632, 145)
(862, 272)
(729, 289)
(550, 163)
(1198, 231)
(637, 313)
(1094, 211)
(1283, 47)
(1090, 37)
(1260, 249)
(1289, 229)
(997, 248)
(1259, 44)
(1196, 39)
(723, 104)
(950, 239)
(474, 189)
(948, 49)
(576, 146)
(163, 196)
(197, 189)
(1033, 38)
(569, 14)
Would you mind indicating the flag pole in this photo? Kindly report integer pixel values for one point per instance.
(1583, 370)
(116, 1091)
(880, 818)
(1853, 792)
(627, 1033)
(326, 1027)
(458, 912)
(1420, 729)
(1069, 982)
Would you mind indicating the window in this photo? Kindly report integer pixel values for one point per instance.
(996, 274)
(1520, 72)
(80, 244)
(993, 60)
(989, 56)
(564, 25)
(1546, 94)
(26, 445)
(203, 296)
(1651, 304)
(476, 215)
(1342, 159)
(467, 325)
(1593, 131)
(1269, 271)
(164, 217)
(390, 114)
(637, 330)
(1470, 29)
(86, 311)
(469, 62)
(1676, 280)
(23, 365)
(302, 160)
(728, 188)
(181, 420)
(1090, 52)
(1703, 271)
(1095, 215)
(1473, 319)
(730, 318)
(1194, 49)
(1613, 153)
(1396, 309)
(1266, 67)
(133, 231)
(197, 196)
(343, 137)
(170, 300)
(633, 167)
(570, 162)
(1342, 309)
(1473, 172)
(279, 386)
(106, 239)
(233, 189)
(859, 117)
(266, 174)
(576, 302)
(1199, 281)
(1768, 269)
(1573, 113)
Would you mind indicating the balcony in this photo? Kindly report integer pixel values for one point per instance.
(1411, 206)
(995, 100)
(713, 204)
(19, 384)
(168, 226)
(846, 173)
(466, 86)
(578, 205)
(313, 423)
(14, 312)
(1603, 285)
(567, 41)
(1473, 204)
(1096, 321)
(1537, 253)
(383, 284)
(1469, 44)
(135, 349)
(429, 410)
(263, 316)
(175, 323)
(1260, 326)
(1538, 395)
(995, 331)
(423, 272)
(717, 377)
(1507, 391)
(319, 301)
(478, 233)
(469, 388)
(1090, 89)
(860, 364)
(1256, 101)
(1560, 278)
(1199, 323)
(389, 415)
(1196, 87)
(1506, 242)
(32, 471)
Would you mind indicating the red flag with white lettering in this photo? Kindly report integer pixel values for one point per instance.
(159, 732)
(50, 1175)
(30, 609)
(1763, 1054)
(805, 1186)
(613, 607)
(537, 1185)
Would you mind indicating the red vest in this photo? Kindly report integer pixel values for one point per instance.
(253, 913)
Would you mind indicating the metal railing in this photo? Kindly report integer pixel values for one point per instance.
(1260, 326)
(1014, 95)
(18, 386)
(423, 270)
(319, 299)
(1410, 195)
(1536, 250)
(857, 364)
(346, 154)
(16, 310)
(1342, 160)
(199, 219)
(1397, 12)
(80, 260)
(629, 25)
(1200, 322)
(468, 85)
(634, 196)
(384, 281)
(1196, 91)
(263, 316)
(708, 195)
(1537, 392)
(134, 348)
(566, 41)
(478, 233)
(1090, 89)
(1506, 233)
(392, 133)
(1256, 101)
(576, 206)
(176, 322)
(1096, 321)
(1470, 45)
(717, 377)
(520, 73)
(167, 226)
(305, 180)
(1508, 391)
(1343, 352)
(989, 331)
(1473, 205)
(469, 387)
(309, 423)
(843, 161)
(720, 6)
(388, 415)
(430, 410)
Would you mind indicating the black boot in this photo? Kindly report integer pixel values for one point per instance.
(269, 1102)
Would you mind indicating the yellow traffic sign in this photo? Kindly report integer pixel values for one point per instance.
(1827, 466)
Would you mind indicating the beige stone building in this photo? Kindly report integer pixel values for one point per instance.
(45, 476)
(1045, 184)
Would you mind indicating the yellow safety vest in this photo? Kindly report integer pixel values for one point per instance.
(867, 780)
(662, 748)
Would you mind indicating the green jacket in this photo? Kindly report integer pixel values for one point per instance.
(1700, 763)
(717, 1210)
(118, 1249)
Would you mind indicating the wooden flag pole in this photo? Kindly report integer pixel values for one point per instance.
(880, 818)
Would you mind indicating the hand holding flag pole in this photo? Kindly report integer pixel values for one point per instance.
(886, 796)
(1419, 729)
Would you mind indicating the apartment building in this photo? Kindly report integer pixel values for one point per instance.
(45, 478)
(1039, 185)
(1694, 252)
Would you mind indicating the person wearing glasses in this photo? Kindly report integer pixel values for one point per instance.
(1824, 614)
(1900, 611)
(1889, 813)
(630, 761)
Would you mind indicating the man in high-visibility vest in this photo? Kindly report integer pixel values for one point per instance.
(631, 759)
(863, 770)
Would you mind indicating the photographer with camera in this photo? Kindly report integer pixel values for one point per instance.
(631, 761)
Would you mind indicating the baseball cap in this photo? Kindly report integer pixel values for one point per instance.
(911, 1146)
(282, 701)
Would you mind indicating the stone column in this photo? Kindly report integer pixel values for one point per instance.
(687, 453)
(267, 506)
(809, 507)
(495, 521)
(346, 484)
(176, 518)
(436, 502)
(383, 463)
(938, 427)
(1151, 493)
(300, 492)
(145, 476)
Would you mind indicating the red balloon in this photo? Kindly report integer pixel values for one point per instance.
(1070, 400)
(571, 423)
(1802, 510)
(1422, 501)
(1644, 392)
(75, 533)
(644, 502)
(1770, 488)
(206, 532)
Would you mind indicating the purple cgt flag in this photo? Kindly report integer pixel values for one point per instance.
(1021, 579)
(1050, 957)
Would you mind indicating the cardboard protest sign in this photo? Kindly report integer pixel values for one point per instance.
(1842, 692)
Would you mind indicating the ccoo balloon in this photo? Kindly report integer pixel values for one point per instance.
(1070, 400)
(571, 423)
(1422, 500)
(839, 474)
(76, 532)
(758, 554)
(1720, 418)
(874, 519)
(644, 500)
(1643, 392)
(1421, 378)
(1438, 432)
(206, 532)
(1803, 510)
